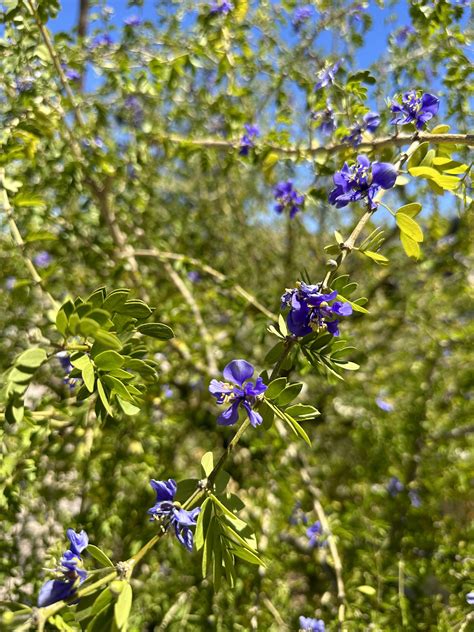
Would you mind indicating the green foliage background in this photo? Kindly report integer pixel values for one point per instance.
(184, 200)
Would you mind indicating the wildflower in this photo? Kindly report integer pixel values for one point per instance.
(402, 33)
(415, 109)
(194, 276)
(73, 574)
(300, 16)
(24, 84)
(395, 486)
(171, 513)
(470, 598)
(314, 532)
(361, 180)
(384, 405)
(287, 197)
(307, 624)
(42, 259)
(415, 499)
(370, 122)
(327, 123)
(236, 393)
(71, 74)
(65, 361)
(310, 310)
(132, 20)
(221, 8)
(104, 39)
(327, 75)
(247, 140)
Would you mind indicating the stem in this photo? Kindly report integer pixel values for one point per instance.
(18, 240)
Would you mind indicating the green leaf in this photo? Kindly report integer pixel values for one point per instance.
(411, 209)
(108, 360)
(103, 397)
(31, 358)
(289, 393)
(409, 227)
(99, 555)
(346, 365)
(61, 322)
(207, 463)
(274, 353)
(203, 519)
(247, 555)
(127, 407)
(355, 306)
(104, 598)
(88, 375)
(367, 590)
(282, 325)
(108, 339)
(135, 308)
(302, 411)
(123, 606)
(410, 246)
(275, 387)
(376, 256)
(156, 330)
(115, 299)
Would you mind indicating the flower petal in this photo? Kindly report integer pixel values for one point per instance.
(54, 590)
(165, 490)
(238, 371)
(79, 541)
(384, 174)
(254, 417)
(229, 416)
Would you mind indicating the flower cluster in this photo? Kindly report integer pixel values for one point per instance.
(42, 259)
(237, 393)
(310, 310)
(361, 180)
(222, 8)
(314, 533)
(327, 75)
(307, 624)
(415, 109)
(327, 123)
(70, 566)
(395, 486)
(370, 122)
(171, 513)
(300, 16)
(288, 198)
(247, 140)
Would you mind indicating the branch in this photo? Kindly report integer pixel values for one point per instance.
(238, 289)
(397, 140)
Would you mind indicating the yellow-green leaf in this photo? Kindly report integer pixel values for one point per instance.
(410, 246)
(408, 226)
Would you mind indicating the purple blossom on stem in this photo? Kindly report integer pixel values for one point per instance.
(73, 574)
(287, 197)
(370, 122)
(327, 75)
(171, 513)
(24, 84)
(314, 532)
(104, 39)
(308, 624)
(42, 259)
(327, 124)
(132, 20)
(311, 311)
(247, 140)
(361, 180)
(221, 8)
(194, 276)
(414, 109)
(238, 392)
(71, 74)
(395, 486)
(300, 16)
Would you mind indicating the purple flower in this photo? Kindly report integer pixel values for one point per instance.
(327, 75)
(104, 39)
(470, 598)
(384, 405)
(327, 124)
(24, 85)
(171, 512)
(415, 499)
(395, 486)
(42, 259)
(247, 140)
(402, 34)
(132, 20)
(194, 276)
(70, 565)
(314, 532)
(63, 358)
(300, 16)
(307, 624)
(134, 109)
(287, 197)
(71, 74)
(370, 122)
(415, 109)
(236, 393)
(361, 180)
(310, 310)
(221, 8)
